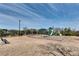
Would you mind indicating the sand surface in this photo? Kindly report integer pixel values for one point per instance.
(36, 45)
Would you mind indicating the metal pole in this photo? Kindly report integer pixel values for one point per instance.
(19, 26)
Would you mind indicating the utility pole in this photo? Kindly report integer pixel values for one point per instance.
(19, 27)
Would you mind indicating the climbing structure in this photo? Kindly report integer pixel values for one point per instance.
(54, 32)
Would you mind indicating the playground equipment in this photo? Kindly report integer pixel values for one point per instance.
(54, 32)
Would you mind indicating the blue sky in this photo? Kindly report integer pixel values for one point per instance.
(39, 15)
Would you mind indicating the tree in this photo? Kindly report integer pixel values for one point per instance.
(13, 32)
(42, 31)
(67, 32)
(25, 30)
(3, 32)
(33, 31)
(77, 33)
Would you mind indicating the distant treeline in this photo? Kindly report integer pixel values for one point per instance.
(25, 31)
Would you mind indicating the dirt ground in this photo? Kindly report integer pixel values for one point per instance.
(39, 45)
